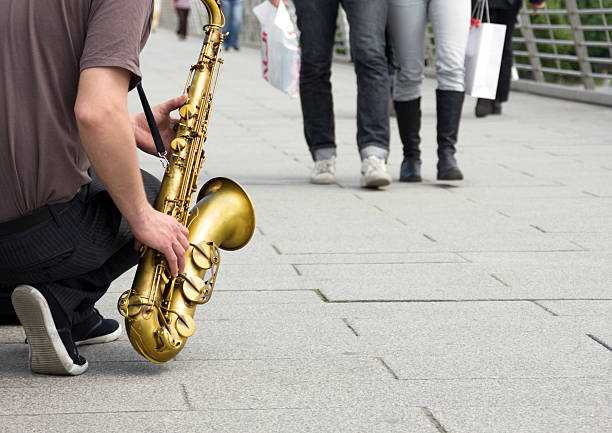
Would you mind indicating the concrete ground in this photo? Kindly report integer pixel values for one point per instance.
(476, 306)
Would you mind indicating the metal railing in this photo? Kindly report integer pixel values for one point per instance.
(565, 50)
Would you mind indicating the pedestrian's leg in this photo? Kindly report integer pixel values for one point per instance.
(450, 22)
(237, 22)
(507, 17)
(316, 20)
(407, 22)
(368, 23)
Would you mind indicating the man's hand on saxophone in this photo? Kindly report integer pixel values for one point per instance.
(164, 234)
(165, 124)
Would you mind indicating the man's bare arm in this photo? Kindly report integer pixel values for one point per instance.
(108, 137)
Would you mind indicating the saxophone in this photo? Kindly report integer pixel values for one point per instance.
(159, 308)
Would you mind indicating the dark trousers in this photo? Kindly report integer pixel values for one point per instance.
(182, 21)
(73, 252)
(507, 17)
(316, 20)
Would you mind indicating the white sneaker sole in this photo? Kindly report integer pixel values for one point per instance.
(323, 180)
(375, 182)
(47, 352)
(101, 339)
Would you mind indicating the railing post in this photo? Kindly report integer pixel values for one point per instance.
(581, 49)
(532, 48)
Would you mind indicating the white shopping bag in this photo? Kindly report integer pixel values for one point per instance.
(280, 54)
(483, 55)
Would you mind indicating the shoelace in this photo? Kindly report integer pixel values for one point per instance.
(324, 165)
(374, 163)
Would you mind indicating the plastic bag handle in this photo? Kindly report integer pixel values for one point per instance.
(478, 12)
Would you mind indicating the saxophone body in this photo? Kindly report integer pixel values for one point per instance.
(159, 308)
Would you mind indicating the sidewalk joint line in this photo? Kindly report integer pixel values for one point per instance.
(527, 174)
(417, 301)
(186, 397)
(540, 229)
(401, 221)
(548, 310)
(597, 340)
(463, 258)
(379, 209)
(321, 295)
(430, 416)
(583, 248)
(261, 232)
(591, 194)
(495, 277)
(349, 326)
(389, 369)
(357, 197)
(429, 237)
(503, 214)
(277, 250)
(297, 270)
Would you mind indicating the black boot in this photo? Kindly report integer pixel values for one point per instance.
(409, 123)
(448, 107)
(484, 107)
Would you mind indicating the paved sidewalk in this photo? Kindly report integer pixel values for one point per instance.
(478, 306)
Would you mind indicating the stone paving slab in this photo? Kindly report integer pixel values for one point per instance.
(536, 419)
(273, 420)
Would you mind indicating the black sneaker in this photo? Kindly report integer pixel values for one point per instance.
(52, 349)
(95, 329)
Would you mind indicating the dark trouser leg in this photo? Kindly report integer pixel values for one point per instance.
(316, 20)
(409, 123)
(182, 28)
(448, 107)
(507, 17)
(77, 253)
(368, 23)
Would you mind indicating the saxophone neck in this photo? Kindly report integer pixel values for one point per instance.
(215, 15)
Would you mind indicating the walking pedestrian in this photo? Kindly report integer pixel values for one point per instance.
(316, 20)
(450, 20)
(182, 8)
(232, 9)
(503, 12)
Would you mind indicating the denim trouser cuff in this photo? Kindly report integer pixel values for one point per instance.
(324, 153)
(368, 151)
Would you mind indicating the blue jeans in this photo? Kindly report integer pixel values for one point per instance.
(232, 9)
(316, 20)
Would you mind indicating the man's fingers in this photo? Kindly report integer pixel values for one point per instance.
(172, 261)
(184, 242)
(174, 103)
(180, 255)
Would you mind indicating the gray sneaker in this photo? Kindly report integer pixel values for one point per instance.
(374, 172)
(324, 171)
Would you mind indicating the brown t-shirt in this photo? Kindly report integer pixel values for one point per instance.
(44, 45)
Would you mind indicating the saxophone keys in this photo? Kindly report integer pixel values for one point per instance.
(185, 326)
(123, 303)
(178, 144)
(201, 254)
(187, 111)
(194, 288)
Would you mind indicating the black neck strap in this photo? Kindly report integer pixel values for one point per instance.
(159, 144)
